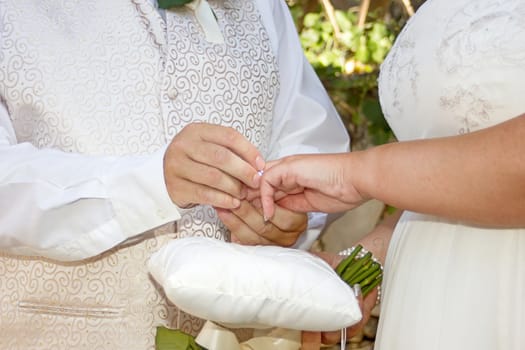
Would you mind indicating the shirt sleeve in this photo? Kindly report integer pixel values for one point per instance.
(305, 119)
(69, 206)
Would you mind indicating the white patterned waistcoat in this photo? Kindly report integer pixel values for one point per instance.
(113, 78)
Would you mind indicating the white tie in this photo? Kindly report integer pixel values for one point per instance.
(207, 20)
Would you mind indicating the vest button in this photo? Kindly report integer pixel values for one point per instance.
(172, 93)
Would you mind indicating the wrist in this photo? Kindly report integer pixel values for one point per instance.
(360, 173)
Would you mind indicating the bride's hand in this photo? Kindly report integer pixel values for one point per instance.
(367, 304)
(309, 339)
(311, 183)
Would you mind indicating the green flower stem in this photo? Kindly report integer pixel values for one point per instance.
(371, 278)
(364, 274)
(356, 266)
(371, 286)
(348, 260)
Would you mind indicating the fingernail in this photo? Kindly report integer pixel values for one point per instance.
(260, 163)
(256, 180)
(357, 290)
(236, 202)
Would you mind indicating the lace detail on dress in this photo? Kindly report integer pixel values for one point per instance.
(456, 68)
(400, 65)
(467, 107)
(480, 36)
(452, 67)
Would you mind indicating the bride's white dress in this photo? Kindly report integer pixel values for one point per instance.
(458, 66)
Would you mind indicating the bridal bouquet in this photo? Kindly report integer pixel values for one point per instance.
(360, 267)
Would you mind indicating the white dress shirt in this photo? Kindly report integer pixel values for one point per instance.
(72, 206)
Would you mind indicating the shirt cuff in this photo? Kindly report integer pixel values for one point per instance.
(139, 196)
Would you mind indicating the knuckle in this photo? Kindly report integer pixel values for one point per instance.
(213, 175)
(231, 135)
(270, 232)
(219, 155)
(249, 173)
(173, 147)
(265, 230)
(242, 210)
(204, 195)
(179, 144)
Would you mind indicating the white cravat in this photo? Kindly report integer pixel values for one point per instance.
(207, 20)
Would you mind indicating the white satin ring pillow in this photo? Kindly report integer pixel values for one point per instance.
(254, 286)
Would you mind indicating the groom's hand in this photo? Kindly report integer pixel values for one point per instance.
(247, 225)
(210, 164)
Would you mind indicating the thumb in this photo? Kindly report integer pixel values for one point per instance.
(355, 329)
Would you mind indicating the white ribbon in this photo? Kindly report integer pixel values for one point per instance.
(207, 20)
(215, 337)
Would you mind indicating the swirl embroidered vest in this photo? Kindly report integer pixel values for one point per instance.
(114, 78)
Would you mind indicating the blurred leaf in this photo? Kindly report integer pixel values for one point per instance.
(379, 136)
(347, 38)
(327, 27)
(378, 127)
(348, 65)
(372, 111)
(311, 20)
(174, 339)
(309, 37)
(362, 53)
(344, 22)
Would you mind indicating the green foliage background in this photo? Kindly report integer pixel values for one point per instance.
(348, 66)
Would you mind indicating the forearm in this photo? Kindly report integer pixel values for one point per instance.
(477, 177)
(69, 206)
